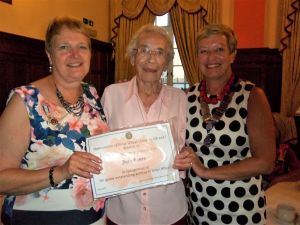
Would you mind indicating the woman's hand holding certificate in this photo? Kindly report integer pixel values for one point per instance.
(133, 159)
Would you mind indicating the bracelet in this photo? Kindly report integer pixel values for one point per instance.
(54, 185)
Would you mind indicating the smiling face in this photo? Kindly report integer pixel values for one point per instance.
(151, 58)
(70, 55)
(214, 57)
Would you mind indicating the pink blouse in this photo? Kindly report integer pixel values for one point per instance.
(123, 107)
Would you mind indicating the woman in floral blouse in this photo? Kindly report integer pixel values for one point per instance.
(44, 166)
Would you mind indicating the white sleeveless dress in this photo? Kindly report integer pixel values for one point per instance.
(213, 202)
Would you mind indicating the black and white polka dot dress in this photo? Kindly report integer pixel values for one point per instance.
(219, 201)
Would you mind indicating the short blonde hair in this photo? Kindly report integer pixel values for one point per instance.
(58, 23)
(149, 28)
(213, 29)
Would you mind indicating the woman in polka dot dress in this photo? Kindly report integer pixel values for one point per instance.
(230, 138)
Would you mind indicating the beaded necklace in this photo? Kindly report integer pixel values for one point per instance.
(76, 109)
(213, 99)
(211, 119)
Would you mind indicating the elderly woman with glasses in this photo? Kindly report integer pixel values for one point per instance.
(144, 99)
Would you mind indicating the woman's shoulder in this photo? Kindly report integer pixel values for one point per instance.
(256, 93)
(117, 87)
(193, 89)
(245, 84)
(25, 91)
(174, 89)
(174, 92)
(27, 94)
(243, 87)
(89, 90)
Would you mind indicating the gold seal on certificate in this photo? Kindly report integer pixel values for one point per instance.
(133, 159)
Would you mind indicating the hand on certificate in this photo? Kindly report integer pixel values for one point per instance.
(83, 164)
(187, 159)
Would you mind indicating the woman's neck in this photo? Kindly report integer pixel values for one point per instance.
(70, 92)
(148, 88)
(216, 86)
(148, 92)
(213, 91)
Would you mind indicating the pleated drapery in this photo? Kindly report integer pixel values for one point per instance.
(127, 27)
(290, 48)
(187, 17)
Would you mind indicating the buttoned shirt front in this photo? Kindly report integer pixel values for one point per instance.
(123, 108)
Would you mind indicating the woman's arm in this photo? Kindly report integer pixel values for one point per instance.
(15, 135)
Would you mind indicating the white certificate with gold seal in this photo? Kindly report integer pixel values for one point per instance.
(133, 159)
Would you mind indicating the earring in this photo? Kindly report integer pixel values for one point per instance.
(50, 68)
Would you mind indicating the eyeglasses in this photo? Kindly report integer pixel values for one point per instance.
(146, 52)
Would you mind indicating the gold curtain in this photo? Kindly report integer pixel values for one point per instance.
(290, 48)
(187, 17)
(123, 68)
(160, 7)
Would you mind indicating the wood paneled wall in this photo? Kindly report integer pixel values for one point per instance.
(262, 66)
(23, 60)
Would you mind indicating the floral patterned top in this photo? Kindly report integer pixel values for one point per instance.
(55, 135)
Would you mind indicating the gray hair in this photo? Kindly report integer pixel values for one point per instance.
(150, 28)
(213, 29)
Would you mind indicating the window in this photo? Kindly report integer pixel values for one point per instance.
(175, 74)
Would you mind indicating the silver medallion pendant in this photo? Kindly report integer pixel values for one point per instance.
(208, 140)
(209, 125)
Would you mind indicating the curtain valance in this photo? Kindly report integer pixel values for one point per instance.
(187, 17)
(132, 8)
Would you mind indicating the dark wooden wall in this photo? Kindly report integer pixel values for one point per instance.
(262, 66)
(23, 60)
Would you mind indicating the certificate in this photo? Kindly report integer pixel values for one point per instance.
(133, 159)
